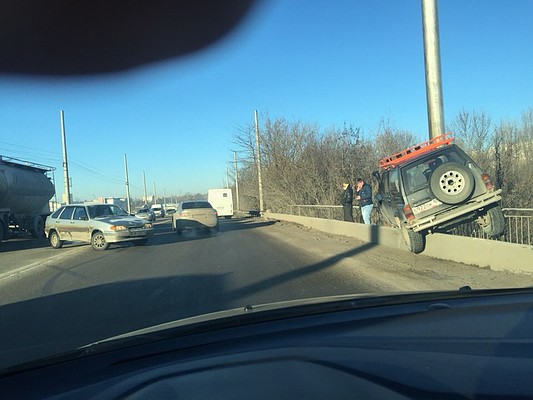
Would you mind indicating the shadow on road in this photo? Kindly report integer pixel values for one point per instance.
(17, 244)
(289, 276)
(164, 234)
(236, 224)
(56, 323)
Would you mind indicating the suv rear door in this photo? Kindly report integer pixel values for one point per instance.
(425, 181)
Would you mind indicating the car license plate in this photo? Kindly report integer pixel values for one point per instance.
(426, 206)
(137, 232)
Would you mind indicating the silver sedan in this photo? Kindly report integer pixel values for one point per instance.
(197, 214)
(97, 224)
(145, 213)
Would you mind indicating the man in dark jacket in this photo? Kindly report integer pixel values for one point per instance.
(347, 201)
(364, 196)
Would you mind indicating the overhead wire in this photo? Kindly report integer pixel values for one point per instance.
(53, 157)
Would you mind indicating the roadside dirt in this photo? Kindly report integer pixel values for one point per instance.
(391, 269)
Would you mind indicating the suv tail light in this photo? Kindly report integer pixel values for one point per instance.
(487, 181)
(408, 212)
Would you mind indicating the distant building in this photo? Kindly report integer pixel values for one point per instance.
(121, 202)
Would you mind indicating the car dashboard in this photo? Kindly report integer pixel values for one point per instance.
(469, 345)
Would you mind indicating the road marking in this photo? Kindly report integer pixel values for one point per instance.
(41, 263)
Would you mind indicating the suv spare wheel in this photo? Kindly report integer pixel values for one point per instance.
(452, 183)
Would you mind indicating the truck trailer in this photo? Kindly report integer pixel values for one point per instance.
(222, 201)
(25, 191)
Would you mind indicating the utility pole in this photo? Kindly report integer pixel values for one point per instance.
(227, 178)
(433, 70)
(65, 162)
(145, 196)
(236, 180)
(258, 155)
(128, 199)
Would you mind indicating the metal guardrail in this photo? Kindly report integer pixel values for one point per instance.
(518, 221)
(519, 224)
(518, 227)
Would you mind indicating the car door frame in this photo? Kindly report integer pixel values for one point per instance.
(80, 226)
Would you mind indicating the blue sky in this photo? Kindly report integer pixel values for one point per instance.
(321, 61)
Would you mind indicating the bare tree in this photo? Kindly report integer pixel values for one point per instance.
(474, 132)
(303, 164)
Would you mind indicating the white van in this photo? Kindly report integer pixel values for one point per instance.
(222, 201)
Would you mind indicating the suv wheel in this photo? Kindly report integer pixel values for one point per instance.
(452, 183)
(493, 222)
(415, 241)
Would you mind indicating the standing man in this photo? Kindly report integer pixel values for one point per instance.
(347, 201)
(364, 195)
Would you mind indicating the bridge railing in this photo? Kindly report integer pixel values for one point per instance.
(518, 221)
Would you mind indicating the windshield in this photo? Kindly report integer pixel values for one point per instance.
(107, 210)
(196, 204)
(288, 115)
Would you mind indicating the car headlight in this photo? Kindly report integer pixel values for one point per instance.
(147, 226)
(118, 228)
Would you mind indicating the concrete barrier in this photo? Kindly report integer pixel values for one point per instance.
(499, 256)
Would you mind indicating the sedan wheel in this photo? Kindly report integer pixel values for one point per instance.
(98, 241)
(55, 241)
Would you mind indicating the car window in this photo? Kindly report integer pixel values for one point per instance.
(196, 204)
(67, 213)
(80, 213)
(394, 183)
(115, 210)
(416, 177)
(56, 213)
(99, 211)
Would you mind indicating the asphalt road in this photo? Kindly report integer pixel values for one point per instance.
(75, 295)
(55, 300)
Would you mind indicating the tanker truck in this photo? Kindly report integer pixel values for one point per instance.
(25, 192)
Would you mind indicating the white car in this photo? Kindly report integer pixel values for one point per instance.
(196, 214)
(97, 224)
(145, 213)
(158, 210)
